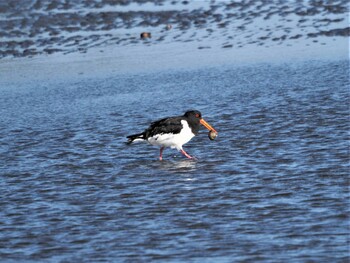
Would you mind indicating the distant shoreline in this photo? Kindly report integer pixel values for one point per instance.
(141, 59)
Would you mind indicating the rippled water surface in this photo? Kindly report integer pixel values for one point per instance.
(273, 186)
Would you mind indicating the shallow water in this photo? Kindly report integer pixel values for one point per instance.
(273, 186)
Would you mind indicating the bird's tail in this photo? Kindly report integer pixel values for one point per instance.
(135, 138)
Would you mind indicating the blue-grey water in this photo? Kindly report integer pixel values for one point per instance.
(273, 187)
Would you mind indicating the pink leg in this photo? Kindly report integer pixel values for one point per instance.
(161, 154)
(186, 154)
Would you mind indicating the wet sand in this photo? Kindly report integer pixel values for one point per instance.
(32, 28)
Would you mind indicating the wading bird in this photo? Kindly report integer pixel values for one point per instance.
(173, 132)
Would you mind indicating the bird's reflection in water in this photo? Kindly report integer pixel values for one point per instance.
(174, 166)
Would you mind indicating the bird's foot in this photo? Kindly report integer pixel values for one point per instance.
(188, 156)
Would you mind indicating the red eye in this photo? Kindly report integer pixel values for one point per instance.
(197, 115)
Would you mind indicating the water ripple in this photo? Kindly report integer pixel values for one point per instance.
(272, 187)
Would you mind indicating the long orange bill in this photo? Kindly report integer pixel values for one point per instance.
(207, 125)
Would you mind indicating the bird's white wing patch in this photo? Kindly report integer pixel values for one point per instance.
(138, 140)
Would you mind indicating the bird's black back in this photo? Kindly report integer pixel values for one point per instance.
(167, 125)
(173, 124)
(170, 125)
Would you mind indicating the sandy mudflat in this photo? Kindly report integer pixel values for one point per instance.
(204, 32)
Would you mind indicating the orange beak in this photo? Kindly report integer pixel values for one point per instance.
(207, 125)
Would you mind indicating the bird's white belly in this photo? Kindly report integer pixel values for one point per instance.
(173, 140)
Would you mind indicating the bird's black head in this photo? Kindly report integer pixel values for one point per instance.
(194, 118)
(193, 114)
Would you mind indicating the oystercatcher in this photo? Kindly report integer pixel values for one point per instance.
(172, 132)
